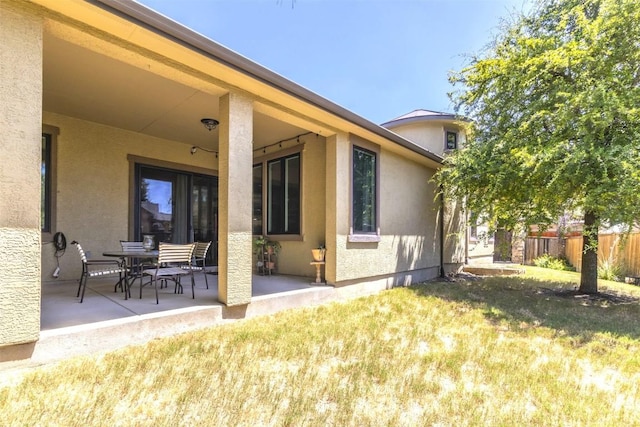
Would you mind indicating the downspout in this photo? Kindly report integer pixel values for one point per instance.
(442, 275)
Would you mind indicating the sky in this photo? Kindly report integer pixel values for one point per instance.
(378, 58)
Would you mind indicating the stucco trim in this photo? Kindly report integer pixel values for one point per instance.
(182, 167)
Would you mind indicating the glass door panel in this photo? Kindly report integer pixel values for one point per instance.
(155, 207)
(177, 207)
(204, 208)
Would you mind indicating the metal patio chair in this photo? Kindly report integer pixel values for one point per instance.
(100, 268)
(174, 261)
(137, 264)
(199, 262)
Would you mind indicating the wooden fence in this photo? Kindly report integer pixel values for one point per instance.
(535, 247)
(620, 249)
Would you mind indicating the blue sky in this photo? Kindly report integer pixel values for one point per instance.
(378, 58)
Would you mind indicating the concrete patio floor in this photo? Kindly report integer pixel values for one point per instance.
(105, 321)
(61, 308)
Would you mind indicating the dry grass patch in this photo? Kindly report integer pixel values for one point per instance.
(499, 351)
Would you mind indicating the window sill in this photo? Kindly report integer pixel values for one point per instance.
(285, 237)
(363, 238)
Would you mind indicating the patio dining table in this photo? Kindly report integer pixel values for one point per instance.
(129, 259)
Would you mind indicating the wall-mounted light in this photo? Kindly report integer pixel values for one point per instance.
(210, 124)
(195, 148)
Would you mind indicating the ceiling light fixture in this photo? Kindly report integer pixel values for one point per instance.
(210, 124)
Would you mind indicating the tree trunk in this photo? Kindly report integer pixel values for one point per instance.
(589, 274)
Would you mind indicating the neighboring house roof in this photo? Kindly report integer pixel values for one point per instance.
(423, 115)
(154, 210)
(150, 19)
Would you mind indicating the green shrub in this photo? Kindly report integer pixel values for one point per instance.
(610, 270)
(554, 263)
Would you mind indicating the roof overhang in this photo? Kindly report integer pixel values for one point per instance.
(136, 28)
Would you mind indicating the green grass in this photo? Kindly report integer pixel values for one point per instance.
(499, 351)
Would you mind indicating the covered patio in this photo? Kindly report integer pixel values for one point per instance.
(121, 123)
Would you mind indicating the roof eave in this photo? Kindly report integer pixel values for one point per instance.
(157, 22)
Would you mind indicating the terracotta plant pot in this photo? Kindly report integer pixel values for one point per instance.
(318, 254)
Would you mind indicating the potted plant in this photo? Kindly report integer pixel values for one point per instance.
(319, 253)
(266, 251)
(273, 247)
(259, 244)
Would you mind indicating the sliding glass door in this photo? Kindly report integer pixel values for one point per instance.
(177, 207)
(204, 212)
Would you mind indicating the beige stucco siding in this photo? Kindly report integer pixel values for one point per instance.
(454, 235)
(93, 184)
(20, 156)
(408, 225)
(296, 254)
(427, 135)
(234, 192)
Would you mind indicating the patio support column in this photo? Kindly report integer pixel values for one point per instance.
(235, 192)
(20, 157)
(338, 199)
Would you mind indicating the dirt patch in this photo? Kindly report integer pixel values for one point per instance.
(607, 297)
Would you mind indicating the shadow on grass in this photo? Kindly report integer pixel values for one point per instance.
(525, 302)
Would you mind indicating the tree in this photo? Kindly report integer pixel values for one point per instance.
(555, 109)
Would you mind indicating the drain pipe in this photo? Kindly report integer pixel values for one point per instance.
(442, 275)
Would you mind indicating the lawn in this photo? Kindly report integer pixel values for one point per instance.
(498, 351)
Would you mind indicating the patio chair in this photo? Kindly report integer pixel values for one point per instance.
(100, 268)
(174, 261)
(131, 246)
(137, 264)
(199, 262)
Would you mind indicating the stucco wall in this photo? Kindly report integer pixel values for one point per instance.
(20, 157)
(428, 135)
(409, 239)
(93, 185)
(454, 236)
(295, 255)
(431, 135)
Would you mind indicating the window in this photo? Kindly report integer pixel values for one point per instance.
(364, 192)
(283, 195)
(451, 142)
(257, 199)
(47, 180)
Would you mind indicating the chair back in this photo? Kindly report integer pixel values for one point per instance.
(201, 249)
(83, 255)
(131, 246)
(175, 253)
